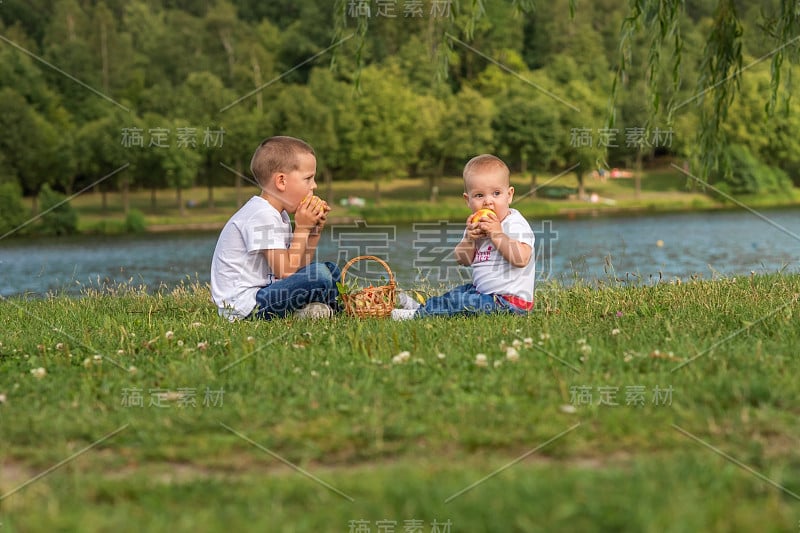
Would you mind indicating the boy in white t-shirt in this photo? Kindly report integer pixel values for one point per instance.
(498, 246)
(261, 268)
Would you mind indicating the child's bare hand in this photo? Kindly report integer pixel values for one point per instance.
(312, 212)
(490, 225)
(483, 228)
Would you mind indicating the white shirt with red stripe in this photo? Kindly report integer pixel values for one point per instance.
(492, 274)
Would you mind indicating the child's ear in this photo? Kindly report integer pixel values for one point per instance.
(510, 194)
(466, 198)
(279, 179)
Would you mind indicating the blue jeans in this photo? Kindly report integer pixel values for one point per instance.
(465, 300)
(315, 282)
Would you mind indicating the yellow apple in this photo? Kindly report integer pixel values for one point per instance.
(476, 216)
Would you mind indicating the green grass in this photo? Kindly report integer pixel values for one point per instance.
(400, 439)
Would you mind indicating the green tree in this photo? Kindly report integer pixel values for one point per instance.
(13, 213)
(202, 96)
(466, 128)
(526, 126)
(58, 216)
(337, 97)
(751, 176)
(386, 140)
(298, 113)
(37, 152)
(102, 150)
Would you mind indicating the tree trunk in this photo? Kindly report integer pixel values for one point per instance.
(179, 199)
(377, 192)
(434, 189)
(257, 81)
(210, 193)
(532, 192)
(581, 192)
(126, 201)
(637, 186)
(226, 44)
(328, 175)
(104, 54)
(70, 28)
(238, 182)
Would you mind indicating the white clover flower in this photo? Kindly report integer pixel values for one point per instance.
(120, 352)
(544, 336)
(481, 360)
(87, 363)
(202, 346)
(581, 341)
(196, 324)
(402, 357)
(440, 355)
(497, 363)
(39, 373)
(60, 346)
(314, 374)
(586, 349)
(512, 354)
(180, 343)
(3, 398)
(615, 331)
(133, 370)
(527, 342)
(568, 408)
(517, 343)
(251, 339)
(168, 335)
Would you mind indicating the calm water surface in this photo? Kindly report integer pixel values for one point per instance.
(676, 245)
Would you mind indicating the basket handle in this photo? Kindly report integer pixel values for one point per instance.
(372, 258)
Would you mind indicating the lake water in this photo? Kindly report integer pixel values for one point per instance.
(674, 245)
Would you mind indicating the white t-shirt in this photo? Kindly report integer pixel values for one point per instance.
(492, 274)
(239, 268)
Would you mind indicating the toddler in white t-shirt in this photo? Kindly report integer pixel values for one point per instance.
(497, 243)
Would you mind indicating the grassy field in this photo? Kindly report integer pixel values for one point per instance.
(650, 407)
(407, 200)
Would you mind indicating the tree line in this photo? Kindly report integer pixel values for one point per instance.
(148, 94)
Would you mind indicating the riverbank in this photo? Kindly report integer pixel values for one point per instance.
(408, 200)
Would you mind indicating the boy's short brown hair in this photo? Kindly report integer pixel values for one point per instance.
(277, 154)
(484, 163)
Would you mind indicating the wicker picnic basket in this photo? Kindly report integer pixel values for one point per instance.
(369, 302)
